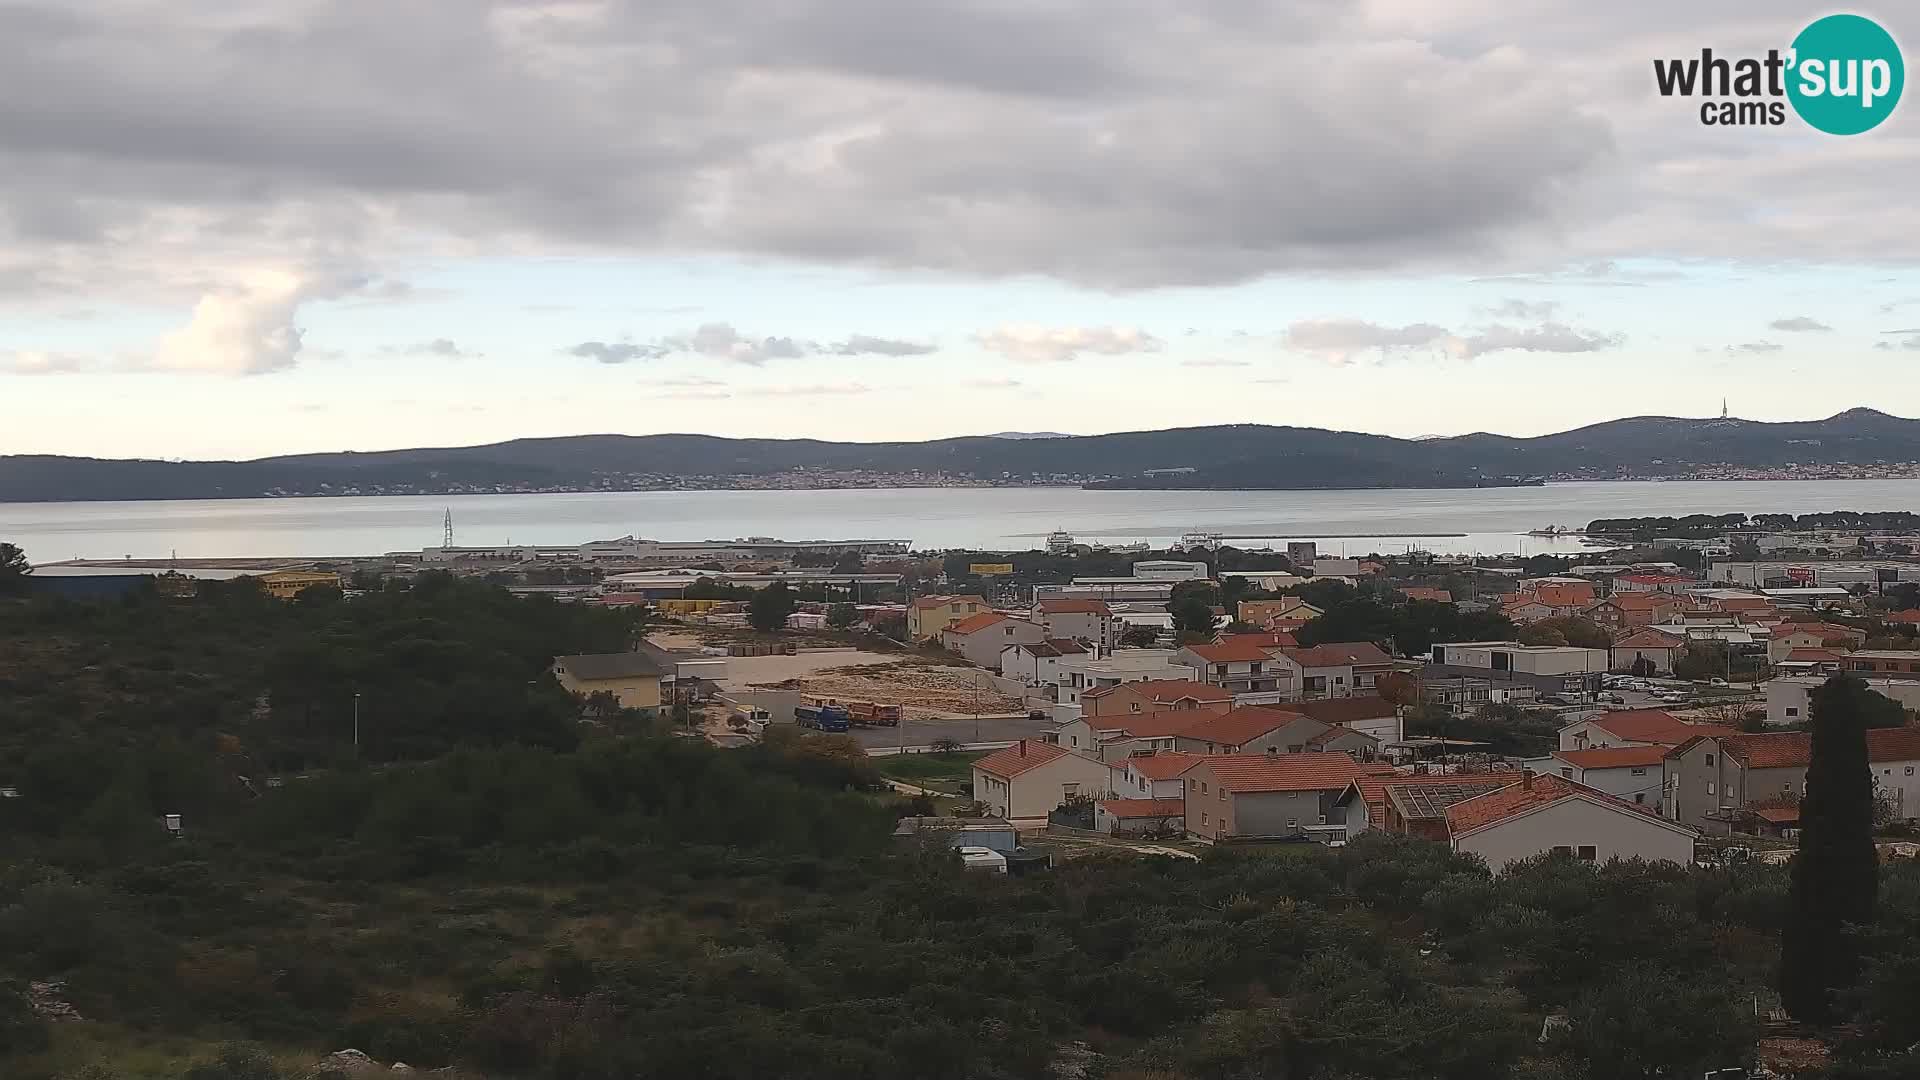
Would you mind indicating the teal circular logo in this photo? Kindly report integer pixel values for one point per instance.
(1846, 74)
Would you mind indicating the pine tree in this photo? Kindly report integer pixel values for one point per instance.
(1836, 873)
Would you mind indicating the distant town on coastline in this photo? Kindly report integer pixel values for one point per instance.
(1856, 444)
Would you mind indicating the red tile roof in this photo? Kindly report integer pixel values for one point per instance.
(973, 624)
(1794, 749)
(1532, 793)
(1023, 756)
(1263, 641)
(1161, 691)
(1075, 607)
(1614, 757)
(1338, 654)
(1253, 773)
(1337, 732)
(1564, 595)
(1164, 765)
(1642, 601)
(1144, 808)
(1438, 596)
(1238, 727)
(1741, 603)
(1653, 726)
(1909, 617)
(1232, 651)
(1650, 639)
(1779, 815)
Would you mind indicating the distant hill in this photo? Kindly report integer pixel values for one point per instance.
(1029, 435)
(1239, 456)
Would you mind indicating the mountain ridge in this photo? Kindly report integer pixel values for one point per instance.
(1227, 456)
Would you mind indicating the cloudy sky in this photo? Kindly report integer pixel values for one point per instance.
(234, 228)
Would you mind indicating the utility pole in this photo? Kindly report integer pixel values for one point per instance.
(976, 706)
(356, 723)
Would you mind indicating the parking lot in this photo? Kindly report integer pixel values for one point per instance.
(922, 733)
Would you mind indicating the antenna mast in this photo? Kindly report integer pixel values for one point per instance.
(447, 537)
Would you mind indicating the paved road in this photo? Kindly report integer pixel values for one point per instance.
(925, 732)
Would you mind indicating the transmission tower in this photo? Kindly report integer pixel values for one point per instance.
(447, 534)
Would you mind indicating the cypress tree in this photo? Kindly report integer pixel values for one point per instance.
(1837, 870)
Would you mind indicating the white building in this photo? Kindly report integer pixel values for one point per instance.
(1550, 813)
(1522, 659)
(1341, 568)
(1789, 699)
(1170, 570)
(1079, 674)
(1029, 779)
(1631, 773)
(1038, 663)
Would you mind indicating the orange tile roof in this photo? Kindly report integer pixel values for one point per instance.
(1023, 756)
(1438, 596)
(1075, 607)
(1650, 639)
(1741, 603)
(1564, 595)
(1794, 749)
(973, 624)
(1614, 757)
(1265, 641)
(1483, 811)
(1238, 727)
(1144, 808)
(1231, 652)
(1642, 601)
(1254, 773)
(1653, 726)
(1338, 654)
(1164, 765)
(1149, 725)
(1160, 691)
(1909, 617)
(1779, 815)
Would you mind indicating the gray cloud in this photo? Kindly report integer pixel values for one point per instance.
(1799, 324)
(610, 352)
(1513, 308)
(865, 344)
(444, 348)
(1341, 341)
(1909, 344)
(1756, 347)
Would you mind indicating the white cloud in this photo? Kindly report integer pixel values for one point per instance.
(42, 363)
(1515, 308)
(1547, 337)
(1053, 344)
(1756, 347)
(444, 348)
(867, 344)
(243, 329)
(1341, 341)
(1215, 362)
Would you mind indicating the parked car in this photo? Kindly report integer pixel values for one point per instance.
(1716, 682)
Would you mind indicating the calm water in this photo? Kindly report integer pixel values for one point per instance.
(1493, 520)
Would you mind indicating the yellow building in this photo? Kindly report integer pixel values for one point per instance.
(287, 584)
(632, 678)
(927, 616)
(689, 607)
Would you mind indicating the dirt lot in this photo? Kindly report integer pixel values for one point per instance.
(922, 690)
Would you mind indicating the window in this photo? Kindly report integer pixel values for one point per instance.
(1273, 751)
(1909, 770)
(1562, 849)
(1223, 794)
(1793, 710)
(1069, 790)
(1588, 853)
(1568, 773)
(1193, 785)
(1640, 797)
(1709, 787)
(1293, 823)
(1203, 787)
(1073, 740)
(1136, 706)
(1203, 817)
(1636, 772)
(1709, 761)
(1339, 680)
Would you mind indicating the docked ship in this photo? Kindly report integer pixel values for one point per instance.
(1060, 543)
(1199, 539)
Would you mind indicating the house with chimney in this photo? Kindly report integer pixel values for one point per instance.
(1037, 663)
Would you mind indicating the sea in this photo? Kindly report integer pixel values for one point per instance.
(1487, 521)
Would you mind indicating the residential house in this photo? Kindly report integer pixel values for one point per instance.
(1264, 612)
(1089, 621)
(1029, 779)
(1416, 592)
(1242, 668)
(1542, 814)
(1563, 596)
(1338, 669)
(1253, 795)
(1116, 738)
(1645, 608)
(1154, 775)
(1805, 662)
(633, 678)
(1268, 640)
(1633, 773)
(1140, 817)
(1633, 727)
(1153, 696)
(1607, 614)
(1909, 617)
(1811, 635)
(981, 638)
(1710, 778)
(1529, 609)
(1080, 675)
(1666, 583)
(1884, 663)
(1790, 697)
(1549, 669)
(1037, 663)
(287, 584)
(927, 616)
(1656, 647)
(1412, 804)
(1256, 729)
(1370, 714)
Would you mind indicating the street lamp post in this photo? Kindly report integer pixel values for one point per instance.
(356, 723)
